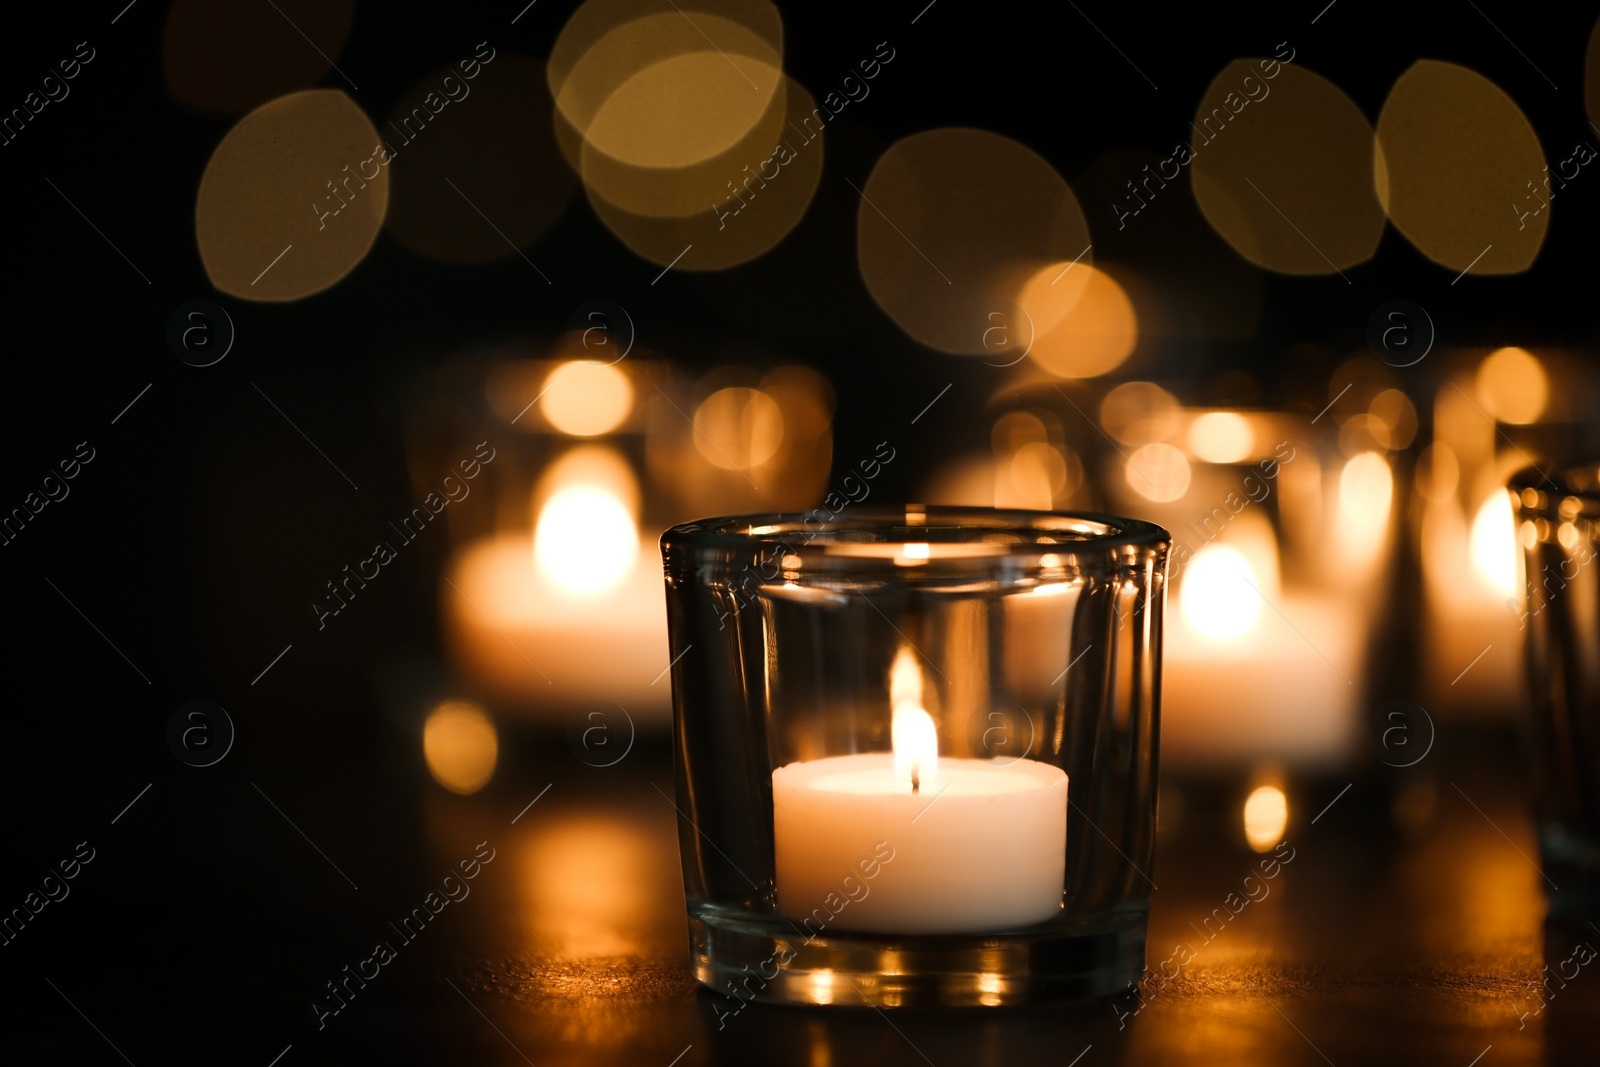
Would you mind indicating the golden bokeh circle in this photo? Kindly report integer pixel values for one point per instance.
(775, 185)
(286, 206)
(1286, 176)
(953, 223)
(1095, 335)
(1457, 158)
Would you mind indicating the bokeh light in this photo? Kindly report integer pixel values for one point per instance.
(1366, 496)
(1266, 815)
(738, 428)
(586, 399)
(1095, 327)
(1512, 386)
(1218, 595)
(1137, 413)
(1492, 545)
(460, 746)
(1158, 472)
(1221, 437)
(605, 44)
(952, 225)
(585, 540)
(1396, 418)
(721, 213)
(1456, 155)
(292, 198)
(1290, 185)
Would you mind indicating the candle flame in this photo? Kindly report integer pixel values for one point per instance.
(913, 735)
(1492, 545)
(585, 540)
(1220, 596)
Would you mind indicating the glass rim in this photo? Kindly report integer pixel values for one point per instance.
(1014, 530)
(1581, 480)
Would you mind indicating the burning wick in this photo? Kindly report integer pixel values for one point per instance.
(916, 777)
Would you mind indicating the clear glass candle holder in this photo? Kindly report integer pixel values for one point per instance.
(1558, 527)
(916, 752)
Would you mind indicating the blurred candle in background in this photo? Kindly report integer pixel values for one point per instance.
(573, 613)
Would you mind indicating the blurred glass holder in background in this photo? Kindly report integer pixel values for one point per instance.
(550, 601)
(1559, 529)
(916, 752)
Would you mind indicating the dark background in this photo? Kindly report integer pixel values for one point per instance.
(196, 538)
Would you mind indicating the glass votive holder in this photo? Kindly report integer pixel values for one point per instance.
(1558, 527)
(916, 752)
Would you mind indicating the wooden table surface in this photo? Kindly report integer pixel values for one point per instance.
(216, 909)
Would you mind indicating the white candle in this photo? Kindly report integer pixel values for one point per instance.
(907, 842)
(531, 643)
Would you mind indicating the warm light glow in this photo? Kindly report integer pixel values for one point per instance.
(1158, 472)
(594, 465)
(1438, 472)
(1492, 545)
(585, 541)
(584, 398)
(1221, 437)
(1015, 429)
(1396, 418)
(679, 217)
(1512, 386)
(460, 746)
(1137, 413)
(684, 109)
(1218, 596)
(1366, 494)
(913, 735)
(1266, 814)
(916, 550)
(1310, 210)
(591, 886)
(607, 58)
(292, 198)
(992, 214)
(738, 428)
(1457, 157)
(1040, 474)
(1092, 336)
